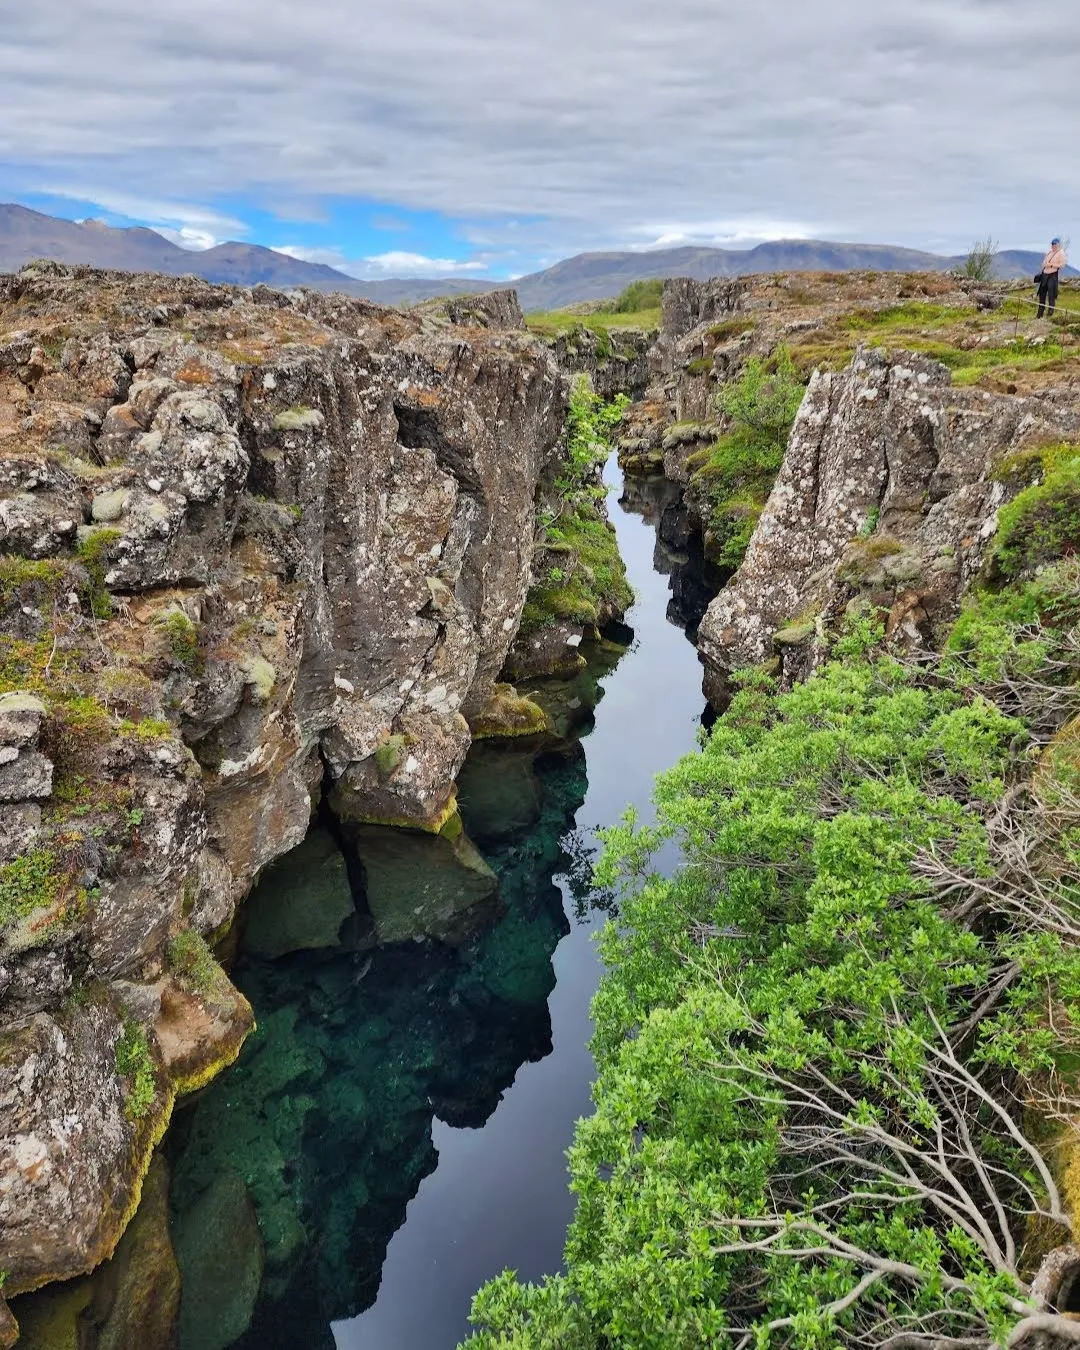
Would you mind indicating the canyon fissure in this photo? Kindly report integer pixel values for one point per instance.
(299, 648)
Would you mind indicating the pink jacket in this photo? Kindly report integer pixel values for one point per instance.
(1055, 260)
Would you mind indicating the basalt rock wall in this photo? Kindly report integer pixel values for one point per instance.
(885, 502)
(254, 546)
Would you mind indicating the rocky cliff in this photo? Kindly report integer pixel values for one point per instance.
(884, 505)
(255, 548)
(922, 392)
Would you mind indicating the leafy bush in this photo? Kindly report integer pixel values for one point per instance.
(640, 295)
(804, 1132)
(735, 476)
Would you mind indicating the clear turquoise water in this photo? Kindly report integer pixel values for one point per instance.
(400, 1119)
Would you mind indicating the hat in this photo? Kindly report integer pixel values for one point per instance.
(1055, 240)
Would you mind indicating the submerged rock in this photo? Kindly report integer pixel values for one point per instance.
(421, 885)
(220, 1252)
(301, 902)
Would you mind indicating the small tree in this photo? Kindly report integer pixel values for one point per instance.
(979, 263)
(763, 402)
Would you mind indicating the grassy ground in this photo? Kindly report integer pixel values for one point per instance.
(1003, 349)
(555, 322)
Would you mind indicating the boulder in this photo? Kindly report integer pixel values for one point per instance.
(301, 902)
(422, 885)
(220, 1251)
(71, 1155)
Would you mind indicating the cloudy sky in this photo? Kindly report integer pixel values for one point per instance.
(397, 137)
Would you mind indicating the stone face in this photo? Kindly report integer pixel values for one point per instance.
(257, 537)
(70, 1156)
(885, 494)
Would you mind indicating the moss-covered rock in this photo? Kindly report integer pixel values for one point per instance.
(508, 713)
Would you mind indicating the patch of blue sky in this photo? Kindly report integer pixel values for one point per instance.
(363, 238)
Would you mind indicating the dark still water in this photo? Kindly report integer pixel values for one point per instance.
(395, 1132)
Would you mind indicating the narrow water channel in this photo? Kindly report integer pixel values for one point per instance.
(395, 1132)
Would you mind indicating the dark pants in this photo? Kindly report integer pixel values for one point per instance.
(1048, 292)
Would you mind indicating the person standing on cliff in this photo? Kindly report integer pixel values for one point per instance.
(1054, 261)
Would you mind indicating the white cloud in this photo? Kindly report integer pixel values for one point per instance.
(186, 237)
(190, 226)
(392, 264)
(399, 264)
(725, 233)
(922, 122)
(329, 257)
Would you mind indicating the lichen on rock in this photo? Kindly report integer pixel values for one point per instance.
(248, 540)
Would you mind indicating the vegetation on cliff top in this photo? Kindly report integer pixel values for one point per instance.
(583, 580)
(637, 307)
(818, 1041)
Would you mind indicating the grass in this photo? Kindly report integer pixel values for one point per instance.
(192, 962)
(560, 322)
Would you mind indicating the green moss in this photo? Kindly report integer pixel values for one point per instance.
(589, 585)
(15, 573)
(730, 328)
(153, 729)
(135, 1065)
(93, 552)
(183, 637)
(1042, 522)
(299, 419)
(192, 962)
(702, 366)
(34, 881)
(389, 755)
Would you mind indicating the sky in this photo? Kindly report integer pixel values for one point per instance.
(493, 137)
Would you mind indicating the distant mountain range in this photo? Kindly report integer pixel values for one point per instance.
(26, 235)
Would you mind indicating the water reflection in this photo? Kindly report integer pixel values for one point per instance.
(327, 1119)
(372, 1064)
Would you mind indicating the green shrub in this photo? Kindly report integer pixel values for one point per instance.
(734, 477)
(135, 1065)
(800, 963)
(183, 638)
(640, 295)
